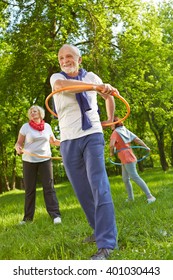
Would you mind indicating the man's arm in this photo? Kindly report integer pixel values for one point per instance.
(110, 108)
(106, 93)
(103, 89)
(60, 84)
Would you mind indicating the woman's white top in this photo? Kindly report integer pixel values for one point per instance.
(36, 142)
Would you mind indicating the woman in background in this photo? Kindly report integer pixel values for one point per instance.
(35, 138)
(121, 139)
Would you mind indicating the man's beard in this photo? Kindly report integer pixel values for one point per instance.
(69, 70)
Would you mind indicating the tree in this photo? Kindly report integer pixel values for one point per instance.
(115, 38)
(142, 65)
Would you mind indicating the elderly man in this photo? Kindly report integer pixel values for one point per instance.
(82, 144)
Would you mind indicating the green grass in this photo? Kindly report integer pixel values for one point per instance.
(145, 231)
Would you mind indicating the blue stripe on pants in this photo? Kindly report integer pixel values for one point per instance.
(83, 159)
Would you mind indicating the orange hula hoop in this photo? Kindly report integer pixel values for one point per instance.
(87, 88)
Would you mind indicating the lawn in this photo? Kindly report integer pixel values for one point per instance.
(145, 232)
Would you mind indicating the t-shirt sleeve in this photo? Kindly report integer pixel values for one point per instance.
(23, 129)
(94, 78)
(54, 77)
(49, 129)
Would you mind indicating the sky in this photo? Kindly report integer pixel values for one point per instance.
(155, 1)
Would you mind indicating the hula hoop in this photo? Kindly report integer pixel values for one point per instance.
(86, 88)
(131, 147)
(39, 156)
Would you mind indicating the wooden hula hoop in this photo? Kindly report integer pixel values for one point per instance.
(38, 156)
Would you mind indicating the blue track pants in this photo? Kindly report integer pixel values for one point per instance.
(84, 163)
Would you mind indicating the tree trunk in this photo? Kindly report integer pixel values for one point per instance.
(13, 182)
(140, 166)
(158, 130)
(47, 92)
(171, 154)
(163, 161)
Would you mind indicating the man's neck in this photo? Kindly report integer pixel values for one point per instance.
(73, 74)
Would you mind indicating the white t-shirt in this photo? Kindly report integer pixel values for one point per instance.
(69, 113)
(36, 142)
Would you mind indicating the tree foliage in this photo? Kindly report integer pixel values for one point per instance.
(127, 43)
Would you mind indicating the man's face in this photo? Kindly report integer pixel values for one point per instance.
(69, 60)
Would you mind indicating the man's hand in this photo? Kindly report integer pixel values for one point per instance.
(107, 89)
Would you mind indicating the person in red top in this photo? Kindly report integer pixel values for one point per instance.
(121, 139)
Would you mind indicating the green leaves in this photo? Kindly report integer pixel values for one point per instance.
(127, 43)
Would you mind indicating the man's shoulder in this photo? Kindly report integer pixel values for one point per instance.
(91, 73)
(55, 75)
(94, 77)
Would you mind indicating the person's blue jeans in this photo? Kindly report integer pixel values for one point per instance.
(84, 163)
(129, 171)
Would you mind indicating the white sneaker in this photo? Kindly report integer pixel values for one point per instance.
(57, 220)
(129, 200)
(22, 223)
(151, 199)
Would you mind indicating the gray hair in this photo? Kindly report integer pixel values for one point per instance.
(40, 110)
(76, 50)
